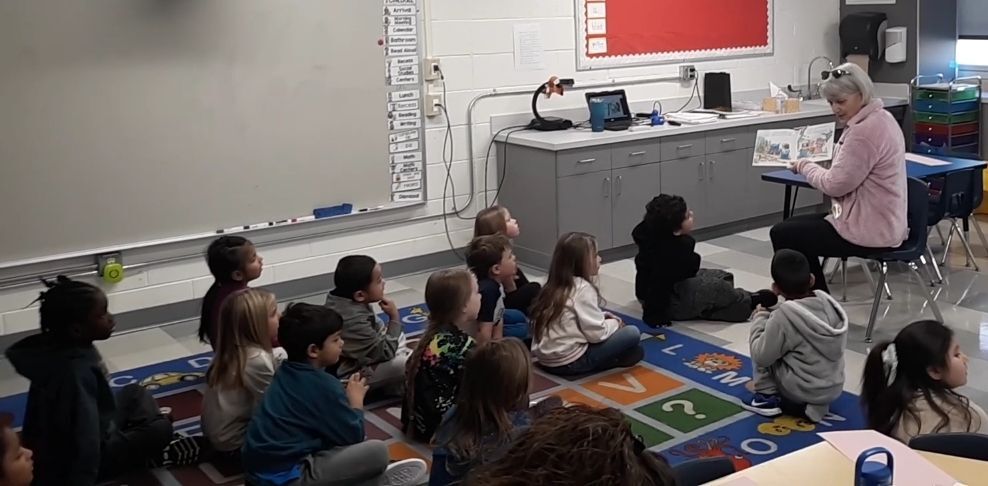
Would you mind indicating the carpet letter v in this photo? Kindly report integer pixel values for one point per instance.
(633, 386)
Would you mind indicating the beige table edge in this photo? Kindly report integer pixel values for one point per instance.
(823, 465)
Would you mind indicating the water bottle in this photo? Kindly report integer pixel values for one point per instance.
(873, 473)
(598, 114)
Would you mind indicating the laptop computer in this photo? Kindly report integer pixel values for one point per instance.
(619, 116)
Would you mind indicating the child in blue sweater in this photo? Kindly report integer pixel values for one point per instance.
(309, 429)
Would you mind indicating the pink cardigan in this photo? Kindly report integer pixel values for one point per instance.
(867, 180)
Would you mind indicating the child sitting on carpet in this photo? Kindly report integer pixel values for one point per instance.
(797, 350)
(434, 369)
(234, 262)
(669, 282)
(309, 429)
(491, 410)
(909, 385)
(572, 334)
(16, 465)
(242, 367)
(493, 262)
(368, 344)
(519, 293)
(575, 446)
(82, 434)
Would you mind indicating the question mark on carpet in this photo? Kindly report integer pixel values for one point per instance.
(687, 408)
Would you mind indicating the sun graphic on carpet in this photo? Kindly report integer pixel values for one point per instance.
(683, 399)
(711, 362)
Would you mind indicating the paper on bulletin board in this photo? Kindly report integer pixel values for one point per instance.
(529, 48)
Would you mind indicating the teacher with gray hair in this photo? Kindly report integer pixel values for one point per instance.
(866, 181)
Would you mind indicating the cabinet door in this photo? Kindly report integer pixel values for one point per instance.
(727, 175)
(633, 188)
(585, 205)
(687, 178)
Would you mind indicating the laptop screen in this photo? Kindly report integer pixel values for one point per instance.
(616, 102)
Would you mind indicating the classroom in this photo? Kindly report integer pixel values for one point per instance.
(568, 242)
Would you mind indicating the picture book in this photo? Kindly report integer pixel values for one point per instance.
(781, 147)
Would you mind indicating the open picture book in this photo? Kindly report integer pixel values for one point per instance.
(781, 147)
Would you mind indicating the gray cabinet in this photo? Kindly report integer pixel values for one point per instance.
(687, 178)
(633, 187)
(603, 189)
(584, 203)
(725, 187)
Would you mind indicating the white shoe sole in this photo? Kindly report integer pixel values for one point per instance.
(764, 412)
(410, 472)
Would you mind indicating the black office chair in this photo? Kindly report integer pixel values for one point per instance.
(959, 444)
(702, 471)
(909, 252)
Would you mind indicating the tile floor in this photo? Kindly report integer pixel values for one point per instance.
(963, 299)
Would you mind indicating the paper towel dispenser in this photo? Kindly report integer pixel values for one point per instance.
(864, 34)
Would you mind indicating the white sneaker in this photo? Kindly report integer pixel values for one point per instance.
(410, 472)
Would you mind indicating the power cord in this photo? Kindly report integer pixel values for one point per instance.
(694, 92)
(487, 159)
(449, 183)
(504, 170)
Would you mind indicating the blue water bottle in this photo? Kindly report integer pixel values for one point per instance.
(873, 473)
(598, 112)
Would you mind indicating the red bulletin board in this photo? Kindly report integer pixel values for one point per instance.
(614, 33)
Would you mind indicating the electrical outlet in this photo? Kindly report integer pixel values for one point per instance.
(687, 72)
(432, 69)
(432, 102)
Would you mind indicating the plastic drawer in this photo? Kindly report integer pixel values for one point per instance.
(965, 93)
(943, 118)
(937, 129)
(941, 140)
(933, 106)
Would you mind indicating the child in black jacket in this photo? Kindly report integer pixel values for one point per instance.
(669, 282)
(82, 432)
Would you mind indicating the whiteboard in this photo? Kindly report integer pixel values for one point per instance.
(642, 32)
(124, 121)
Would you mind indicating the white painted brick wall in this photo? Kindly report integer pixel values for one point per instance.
(474, 42)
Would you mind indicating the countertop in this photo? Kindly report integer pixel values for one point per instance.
(583, 137)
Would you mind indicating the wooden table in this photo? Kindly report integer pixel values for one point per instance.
(823, 465)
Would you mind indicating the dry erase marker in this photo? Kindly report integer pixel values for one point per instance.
(378, 208)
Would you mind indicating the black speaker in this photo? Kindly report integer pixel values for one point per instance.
(717, 91)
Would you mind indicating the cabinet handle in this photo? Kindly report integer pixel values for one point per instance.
(636, 154)
(711, 169)
(586, 161)
(699, 171)
(617, 184)
(607, 187)
(728, 140)
(684, 147)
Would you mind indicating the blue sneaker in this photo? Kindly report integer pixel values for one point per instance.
(765, 405)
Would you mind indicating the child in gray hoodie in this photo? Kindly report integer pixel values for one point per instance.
(797, 350)
(375, 349)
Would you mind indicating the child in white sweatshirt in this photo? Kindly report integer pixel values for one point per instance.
(242, 368)
(572, 334)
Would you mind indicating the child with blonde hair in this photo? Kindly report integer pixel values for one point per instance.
(519, 292)
(572, 334)
(243, 366)
(491, 410)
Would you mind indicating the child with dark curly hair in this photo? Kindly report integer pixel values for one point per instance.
(670, 283)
